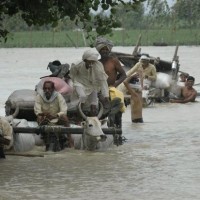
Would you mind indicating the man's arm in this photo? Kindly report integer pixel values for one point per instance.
(130, 90)
(153, 74)
(37, 106)
(63, 105)
(121, 73)
(133, 69)
(190, 98)
(73, 71)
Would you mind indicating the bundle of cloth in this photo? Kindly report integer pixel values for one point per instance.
(60, 85)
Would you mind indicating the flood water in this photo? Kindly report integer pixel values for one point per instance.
(159, 161)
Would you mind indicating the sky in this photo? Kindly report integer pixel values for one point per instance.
(171, 2)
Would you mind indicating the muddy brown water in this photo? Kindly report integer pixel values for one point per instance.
(160, 160)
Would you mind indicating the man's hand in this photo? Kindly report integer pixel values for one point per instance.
(135, 75)
(106, 103)
(49, 116)
(175, 101)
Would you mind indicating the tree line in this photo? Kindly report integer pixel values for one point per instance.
(24, 15)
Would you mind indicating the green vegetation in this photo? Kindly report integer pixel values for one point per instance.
(55, 23)
(120, 38)
(52, 12)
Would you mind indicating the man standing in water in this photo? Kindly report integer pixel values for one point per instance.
(136, 101)
(142, 73)
(188, 93)
(145, 69)
(115, 72)
(112, 66)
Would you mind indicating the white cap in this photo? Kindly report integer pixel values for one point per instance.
(144, 57)
(90, 55)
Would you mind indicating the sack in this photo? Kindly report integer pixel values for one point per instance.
(60, 85)
(114, 92)
(163, 81)
(146, 83)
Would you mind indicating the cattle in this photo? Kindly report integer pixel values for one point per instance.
(6, 137)
(93, 137)
(19, 142)
(20, 105)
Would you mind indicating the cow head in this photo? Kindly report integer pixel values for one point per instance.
(6, 133)
(92, 131)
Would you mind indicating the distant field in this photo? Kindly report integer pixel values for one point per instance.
(120, 38)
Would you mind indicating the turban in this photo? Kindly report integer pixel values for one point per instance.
(90, 55)
(103, 42)
(144, 57)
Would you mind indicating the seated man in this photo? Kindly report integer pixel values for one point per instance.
(89, 78)
(50, 107)
(188, 93)
(144, 72)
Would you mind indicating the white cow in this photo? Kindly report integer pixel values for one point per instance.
(6, 132)
(19, 142)
(93, 137)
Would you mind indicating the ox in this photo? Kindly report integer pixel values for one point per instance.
(17, 142)
(93, 137)
(20, 105)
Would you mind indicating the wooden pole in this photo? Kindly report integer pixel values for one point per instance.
(70, 39)
(135, 51)
(84, 40)
(53, 36)
(23, 154)
(62, 130)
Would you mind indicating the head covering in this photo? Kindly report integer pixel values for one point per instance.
(144, 57)
(56, 62)
(190, 78)
(184, 74)
(103, 42)
(90, 55)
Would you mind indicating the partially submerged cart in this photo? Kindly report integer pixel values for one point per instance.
(171, 68)
(20, 105)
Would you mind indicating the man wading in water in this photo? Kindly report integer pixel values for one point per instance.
(188, 93)
(115, 72)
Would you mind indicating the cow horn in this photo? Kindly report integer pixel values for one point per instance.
(100, 111)
(81, 112)
(16, 112)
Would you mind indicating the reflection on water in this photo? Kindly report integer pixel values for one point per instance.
(160, 160)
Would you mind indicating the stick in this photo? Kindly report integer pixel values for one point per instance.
(135, 51)
(73, 43)
(175, 58)
(23, 154)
